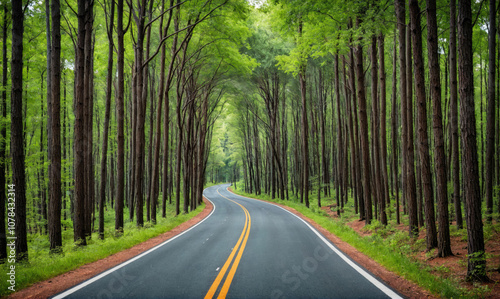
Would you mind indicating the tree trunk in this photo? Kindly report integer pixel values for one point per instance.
(363, 123)
(79, 146)
(410, 200)
(383, 132)
(120, 111)
(416, 33)
(55, 236)
(444, 242)
(476, 268)
(454, 116)
(394, 124)
(305, 139)
(18, 186)
(109, 78)
(491, 110)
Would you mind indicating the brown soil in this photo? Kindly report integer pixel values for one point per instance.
(401, 285)
(455, 266)
(64, 281)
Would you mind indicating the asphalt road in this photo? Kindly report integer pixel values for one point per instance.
(244, 249)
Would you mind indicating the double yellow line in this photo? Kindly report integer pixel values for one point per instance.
(238, 251)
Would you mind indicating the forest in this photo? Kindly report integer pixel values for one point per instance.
(117, 114)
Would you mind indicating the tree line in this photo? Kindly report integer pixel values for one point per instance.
(370, 101)
(112, 105)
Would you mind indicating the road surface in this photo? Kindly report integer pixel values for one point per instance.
(244, 249)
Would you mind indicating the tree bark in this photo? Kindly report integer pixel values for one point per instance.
(383, 132)
(476, 266)
(490, 113)
(444, 242)
(55, 236)
(305, 138)
(79, 160)
(16, 129)
(120, 111)
(363, 123)
(416, 33)
(109, 78)
(454, 116)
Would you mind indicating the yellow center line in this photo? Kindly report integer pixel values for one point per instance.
(243, 238)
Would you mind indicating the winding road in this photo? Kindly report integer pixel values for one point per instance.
(245, 248)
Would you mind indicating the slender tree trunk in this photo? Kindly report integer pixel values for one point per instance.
(79, 159)
(408, 197)
(363, 122)
(120, 111)
(412, 200)
(423, 146)
(109, 78)
(394, 123)
(88, 119)
(454, 116)
(16, 127)
(55, 236)
(383, 133)
(305, 139)
(476, 268)
(444, 242)
(339, 129)
(491, 110)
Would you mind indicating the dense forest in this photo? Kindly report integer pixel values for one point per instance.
(116, 111)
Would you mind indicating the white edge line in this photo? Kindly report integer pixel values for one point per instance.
(107, 272)
(361, 271)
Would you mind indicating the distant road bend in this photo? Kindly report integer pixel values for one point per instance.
(245, 248)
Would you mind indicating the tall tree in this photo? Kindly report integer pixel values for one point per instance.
(79, 143)
(454, 115)
(363, 123)
(411, 200)
(490, 112)
(383, 131)
(305, 138)
(55, 235)
(109, 82)
(16, 130)
(476, 261)
(444, 242)
(120, 111)
(423, 146)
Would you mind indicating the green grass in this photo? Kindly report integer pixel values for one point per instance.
(42, 265)
(389, 247)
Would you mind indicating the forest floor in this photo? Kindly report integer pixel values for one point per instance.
(453, 267)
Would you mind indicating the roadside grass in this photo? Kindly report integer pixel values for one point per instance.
(42, 265)
(387, 246)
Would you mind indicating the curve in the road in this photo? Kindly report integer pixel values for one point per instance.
(253, 248)
(237, 248)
